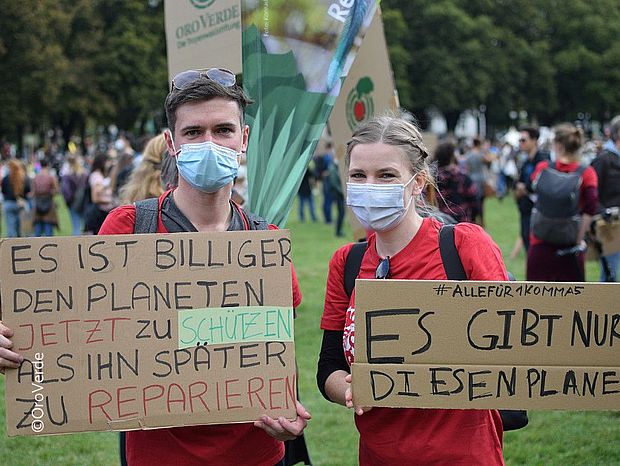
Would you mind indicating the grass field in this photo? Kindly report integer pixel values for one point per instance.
(552, 438)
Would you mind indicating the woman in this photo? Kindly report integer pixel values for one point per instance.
(543, 261)
(100, 195)
(458, 193)
(45, 187)
(144, 182)
(387, 170)
(15, 188)
(73, 185)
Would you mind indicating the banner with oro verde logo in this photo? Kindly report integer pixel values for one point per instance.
(203, 34)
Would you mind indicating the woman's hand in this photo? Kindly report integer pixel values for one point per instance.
(348, 397)
(282, 428)
(8, 358)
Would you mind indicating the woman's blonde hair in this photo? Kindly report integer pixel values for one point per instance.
(569, 137)
(144, 181)
(394, 130)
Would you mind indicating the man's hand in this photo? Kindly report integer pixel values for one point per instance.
(283, 429)
(520, 190)
(348, 397)
(8, 358)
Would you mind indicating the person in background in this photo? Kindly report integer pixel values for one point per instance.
(101, 197)
(305, 196)
(15, 189)
(337, 196)
(121, 172)
(145, 181)
(458, 194)
(73, 185)
(607, 167)
(45, 187)
(321, 164)
(528, 145)
(543, 261)
(386, 156)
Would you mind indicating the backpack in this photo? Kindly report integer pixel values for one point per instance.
(511, 419)
(81, 195)
(555, 217)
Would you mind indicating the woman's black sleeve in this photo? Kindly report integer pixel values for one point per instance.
(331, 358)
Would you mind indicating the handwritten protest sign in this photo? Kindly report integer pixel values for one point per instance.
(475, 345)
(145, 331)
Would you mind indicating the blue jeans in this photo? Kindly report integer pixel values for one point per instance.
(11, 213)
(612, 261)
(77, 222)
(43, 229)
(303, 200)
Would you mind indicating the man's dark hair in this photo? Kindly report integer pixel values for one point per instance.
(203, 89)
(532, 132)
(444, 154)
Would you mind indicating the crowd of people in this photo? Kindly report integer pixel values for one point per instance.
(91, 184)
(469, 174)
(189, 173)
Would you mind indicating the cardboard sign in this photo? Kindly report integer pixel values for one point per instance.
(145, 331)
(480, 345)
(203, 34)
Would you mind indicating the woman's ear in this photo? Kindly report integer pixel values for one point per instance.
(419, 181)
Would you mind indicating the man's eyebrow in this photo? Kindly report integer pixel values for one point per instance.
(227, 124)
(191, 128)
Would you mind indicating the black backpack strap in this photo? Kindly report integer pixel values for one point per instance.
(254, 221)
(352, 265)
(146, 215)
(449, 255)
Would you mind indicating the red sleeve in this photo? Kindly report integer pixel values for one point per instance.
(336, 299)
(588, 194)
(540, 166)
(120, 221)
(589, 179)
(296, 290)
(481, 257)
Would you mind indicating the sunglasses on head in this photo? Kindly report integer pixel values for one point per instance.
(383, 269)
(220, 75)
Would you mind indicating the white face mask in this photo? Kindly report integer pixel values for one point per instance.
(378, 207)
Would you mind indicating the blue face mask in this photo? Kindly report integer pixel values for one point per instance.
(207, 166)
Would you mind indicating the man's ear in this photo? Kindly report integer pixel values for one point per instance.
(170, 143)
(245, 138)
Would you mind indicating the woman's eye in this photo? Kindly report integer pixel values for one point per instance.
(356, 176)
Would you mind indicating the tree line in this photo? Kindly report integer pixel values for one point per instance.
(75, 64)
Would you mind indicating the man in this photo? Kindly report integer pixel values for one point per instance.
(528, 144)
(322, 163)
(207, 134)
(607, 167)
